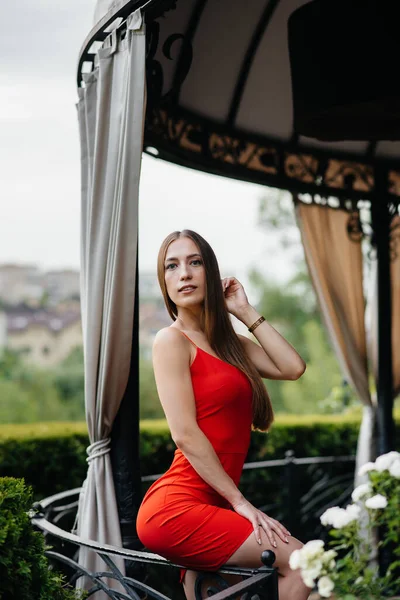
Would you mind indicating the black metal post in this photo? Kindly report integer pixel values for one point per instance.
(381, 221)
(125, 444)
(291, 492)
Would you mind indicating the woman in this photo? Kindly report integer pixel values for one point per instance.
(209, 384)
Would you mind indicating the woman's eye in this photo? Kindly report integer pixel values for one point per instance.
(197, 260)
(170, 265)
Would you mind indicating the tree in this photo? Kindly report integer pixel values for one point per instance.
(149, 403)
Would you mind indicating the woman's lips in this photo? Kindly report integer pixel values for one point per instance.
(189, 291)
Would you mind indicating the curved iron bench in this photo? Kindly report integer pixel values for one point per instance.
(257, 584)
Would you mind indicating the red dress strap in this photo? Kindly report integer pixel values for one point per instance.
(186, 336)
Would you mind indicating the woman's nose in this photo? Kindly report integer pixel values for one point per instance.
(185, 272)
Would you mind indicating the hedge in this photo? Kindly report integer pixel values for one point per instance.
(52, 456)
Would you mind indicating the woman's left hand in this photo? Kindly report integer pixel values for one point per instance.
(235, 296)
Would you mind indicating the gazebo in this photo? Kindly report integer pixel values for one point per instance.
(278, 92)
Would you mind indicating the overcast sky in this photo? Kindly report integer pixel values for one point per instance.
(40, 170)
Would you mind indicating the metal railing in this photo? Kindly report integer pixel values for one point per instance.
(292, 505)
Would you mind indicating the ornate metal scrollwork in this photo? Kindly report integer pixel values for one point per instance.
(359, 223)
(154, 71)
(354, 227)
(218, 584)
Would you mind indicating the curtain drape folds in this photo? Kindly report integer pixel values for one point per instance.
(336, 268)
(111, 117)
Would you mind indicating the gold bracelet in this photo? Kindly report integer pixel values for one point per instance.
(256, 324)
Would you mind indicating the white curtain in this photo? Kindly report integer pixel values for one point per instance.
(111, 118)
(336, 267)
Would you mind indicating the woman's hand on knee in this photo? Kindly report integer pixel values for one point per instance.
(260, 520)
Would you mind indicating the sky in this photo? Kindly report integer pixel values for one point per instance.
(40, 160)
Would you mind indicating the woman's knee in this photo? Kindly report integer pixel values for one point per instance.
(249, 553)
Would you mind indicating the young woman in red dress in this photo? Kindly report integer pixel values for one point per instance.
(209, 384)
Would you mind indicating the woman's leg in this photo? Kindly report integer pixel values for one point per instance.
(190, 579)
(291, 586)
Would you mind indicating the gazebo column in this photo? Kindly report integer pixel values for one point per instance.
(381, 221)
(125, 444)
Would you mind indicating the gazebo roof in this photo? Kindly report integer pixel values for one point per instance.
(220, 100)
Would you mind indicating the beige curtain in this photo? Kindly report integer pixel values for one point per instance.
(111, 117)
(372, 314)
(336, 268)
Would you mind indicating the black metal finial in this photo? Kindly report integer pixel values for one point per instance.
(268, 558)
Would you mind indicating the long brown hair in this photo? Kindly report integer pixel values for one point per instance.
(216, 324)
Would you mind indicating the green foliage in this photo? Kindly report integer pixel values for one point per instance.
(30, 397)
(52, 460)
(149, 403)
(29, 394)
(69, 381)
(24, 569)
(310, 393)
(297, 320)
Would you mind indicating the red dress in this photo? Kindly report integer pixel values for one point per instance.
(182, 517)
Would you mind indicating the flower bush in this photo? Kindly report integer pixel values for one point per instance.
(349, 569)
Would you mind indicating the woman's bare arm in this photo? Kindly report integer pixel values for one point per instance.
(275, 358)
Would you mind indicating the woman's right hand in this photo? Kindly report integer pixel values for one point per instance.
(260, 520)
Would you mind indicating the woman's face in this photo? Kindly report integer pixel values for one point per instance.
(184, 273)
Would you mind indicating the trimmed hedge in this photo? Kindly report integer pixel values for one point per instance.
(52, 456)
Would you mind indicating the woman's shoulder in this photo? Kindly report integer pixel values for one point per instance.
(171, 348)
(169, 335)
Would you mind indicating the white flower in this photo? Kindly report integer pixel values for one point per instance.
(369, 466)
(307, 579)
(325, 586)
(339, 517)
(362, 490)
(328, 559)
(384, 462)
(394, 469)
(377, 501)
(328, 556)
(353, 510)
(310, 575)
(328, 515)
(358, 580)
(295, 559)
(312, 549)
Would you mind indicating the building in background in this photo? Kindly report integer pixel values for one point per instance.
(29, 285)
(61, 285)
(20, 283)
(42, 337)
